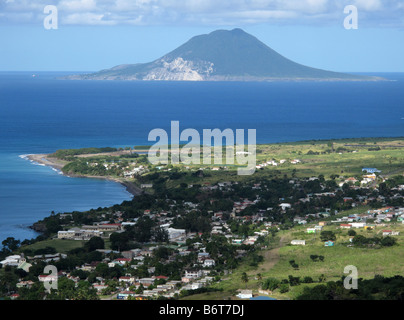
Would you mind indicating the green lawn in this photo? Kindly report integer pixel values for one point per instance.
(61, 246)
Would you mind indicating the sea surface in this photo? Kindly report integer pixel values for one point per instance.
(40, 114)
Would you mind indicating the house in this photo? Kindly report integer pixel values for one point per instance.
(125, 295)
(14, 296)
(13, 261)
(121, 261)
(285, 206)
(390, 233)
(48, 278)
(99, 287)
(175, 233)
(146, 186)
(358, 225)
(127, 279)
(298, 242)
(209, 263)
(25, 284)
(370, 170)
(245, 294)
(345, 226)
(193, 274)
(146, 281)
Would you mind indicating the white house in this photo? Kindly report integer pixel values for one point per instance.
(175, 233)
(245, 294)
(193, 274)
(358, 225)
(209, 263)
(285, 206)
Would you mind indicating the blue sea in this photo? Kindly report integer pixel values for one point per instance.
(42, 114)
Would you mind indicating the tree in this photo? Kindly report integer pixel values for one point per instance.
(283, 288)
(160, 235)
(11, 244)
(328, 236)
(244, 278)
(388, 242)
(94, 243)
(270, 284)
(119, 241)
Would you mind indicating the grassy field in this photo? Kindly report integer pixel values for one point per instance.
(343, 158)
(61, 246)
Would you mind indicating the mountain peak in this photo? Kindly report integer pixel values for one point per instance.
(218, 56)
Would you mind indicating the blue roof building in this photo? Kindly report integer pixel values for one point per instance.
(370, 170)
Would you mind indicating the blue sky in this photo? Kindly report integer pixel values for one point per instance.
(98, 34)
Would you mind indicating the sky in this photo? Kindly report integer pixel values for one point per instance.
(97, 34)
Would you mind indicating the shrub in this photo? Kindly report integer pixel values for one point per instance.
(284, 288)
(270, 284)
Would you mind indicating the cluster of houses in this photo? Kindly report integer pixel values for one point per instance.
(87, 232)
(275, 164)
(378, 217)
(131, 172)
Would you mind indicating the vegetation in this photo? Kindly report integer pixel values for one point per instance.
(215, 207)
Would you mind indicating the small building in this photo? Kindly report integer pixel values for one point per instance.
(146, 186)
(209, 263)
(370, 170)
(298, 242)
(329, 244)
(245, 294)
(311, 230)
(285, 206)
(358, 225)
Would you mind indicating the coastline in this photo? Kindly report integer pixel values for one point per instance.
(56, 164)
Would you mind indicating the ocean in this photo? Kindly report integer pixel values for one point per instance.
(42, 114)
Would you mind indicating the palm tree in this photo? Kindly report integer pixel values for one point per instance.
(259, 277)
(244, 278)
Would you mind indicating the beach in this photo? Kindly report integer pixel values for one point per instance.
(57, 164)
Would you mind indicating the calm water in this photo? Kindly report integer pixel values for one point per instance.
(41, 115)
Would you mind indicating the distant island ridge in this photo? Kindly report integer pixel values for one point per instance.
(221, 55)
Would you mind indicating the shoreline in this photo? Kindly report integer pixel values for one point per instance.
(45, 160)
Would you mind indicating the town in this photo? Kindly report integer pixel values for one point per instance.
(210, 239)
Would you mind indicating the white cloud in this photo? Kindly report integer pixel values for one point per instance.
(201, 12)
(368, 5)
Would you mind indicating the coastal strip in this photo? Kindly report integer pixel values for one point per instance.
(57, 165)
